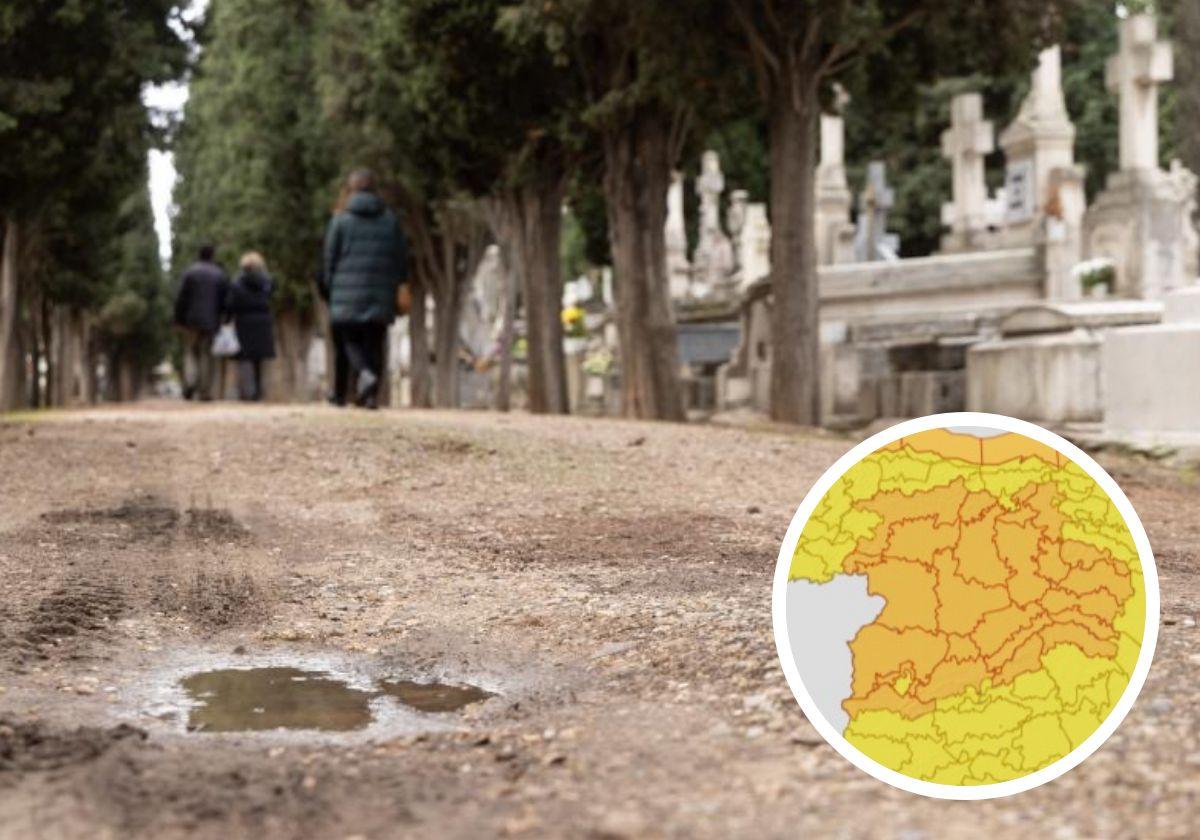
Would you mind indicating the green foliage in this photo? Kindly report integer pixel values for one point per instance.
(251, 153)
(74, 136)
(1187, 68)
(68, 72)
(136, 318)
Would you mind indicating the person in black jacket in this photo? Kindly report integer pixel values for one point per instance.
(366, 259)
(198, 308)
(249, 306)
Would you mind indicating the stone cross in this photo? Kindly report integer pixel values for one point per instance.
(713, 261)
(1134, 74)
(969, 139)
(872, 241)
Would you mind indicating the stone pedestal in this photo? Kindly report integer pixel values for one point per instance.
(1139, 222)
(1151, 391)
(834, 230)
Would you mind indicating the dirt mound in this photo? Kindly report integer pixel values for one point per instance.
(29, 747)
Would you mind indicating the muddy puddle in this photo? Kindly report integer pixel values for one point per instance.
(290, 698)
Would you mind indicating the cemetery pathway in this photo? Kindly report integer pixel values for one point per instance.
(609, 581)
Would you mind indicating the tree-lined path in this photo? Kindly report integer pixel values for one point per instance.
(609, 580)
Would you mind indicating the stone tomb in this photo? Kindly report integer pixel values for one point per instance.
(1044, 363)
(1150, 386)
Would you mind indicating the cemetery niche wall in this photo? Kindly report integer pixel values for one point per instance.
(1007, 317)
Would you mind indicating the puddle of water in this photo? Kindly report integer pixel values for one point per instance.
(240, 700)
(433, 697)
(256, 699)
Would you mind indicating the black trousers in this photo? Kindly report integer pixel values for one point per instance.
(250, 380)
(357, 347)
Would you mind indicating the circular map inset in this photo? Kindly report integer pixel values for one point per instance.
(966, 606)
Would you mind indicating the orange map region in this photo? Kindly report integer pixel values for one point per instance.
(976, 590)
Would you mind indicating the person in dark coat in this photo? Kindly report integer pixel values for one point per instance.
(198, 308)
(341, 364)
(249, 306)
(366, 260)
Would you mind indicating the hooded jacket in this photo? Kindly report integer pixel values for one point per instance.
(366, 258)
(249, 304)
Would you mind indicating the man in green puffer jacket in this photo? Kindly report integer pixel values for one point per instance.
(366, 259)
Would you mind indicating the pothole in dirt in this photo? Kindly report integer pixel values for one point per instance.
(258, 699)
(291, 695)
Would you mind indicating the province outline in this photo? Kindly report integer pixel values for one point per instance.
(966, 607)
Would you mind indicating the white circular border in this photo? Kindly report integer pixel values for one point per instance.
(893, 777)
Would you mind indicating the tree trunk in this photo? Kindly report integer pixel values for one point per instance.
(508, 326)
(420, 392)
(795, 339)
(32, 338)
(12, 359)
(636, 178)
(68, 359)
(533, 215)
(445, 333)
(287, 373)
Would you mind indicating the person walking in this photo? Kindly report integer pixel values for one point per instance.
(341, 364)
(198, 308)
(249, 306)
(366, 261)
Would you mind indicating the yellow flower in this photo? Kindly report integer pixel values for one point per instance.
(571, 315)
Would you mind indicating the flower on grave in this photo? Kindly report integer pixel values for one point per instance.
(572, 318)
(1096, 272)
(598, 362)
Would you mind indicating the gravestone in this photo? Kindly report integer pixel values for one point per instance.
(754, 245)
(1040, 140)
(834, 230)
(968, 140)
(872, 241)
(675, 234)
(1142, 221)
(713, 261)
(1134, 74)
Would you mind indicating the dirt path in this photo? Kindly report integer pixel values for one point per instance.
(609, 581)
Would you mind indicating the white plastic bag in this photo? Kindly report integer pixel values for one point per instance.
(225, 342)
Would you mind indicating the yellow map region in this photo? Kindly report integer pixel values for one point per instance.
(1014, 603)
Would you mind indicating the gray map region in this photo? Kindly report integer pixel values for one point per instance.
(822, 618)
(976, 431)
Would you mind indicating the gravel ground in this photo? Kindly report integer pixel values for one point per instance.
(608, 580)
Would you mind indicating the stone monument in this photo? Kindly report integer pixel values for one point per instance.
(712, 262)
(872, 241)
(754, 245)
(968, 140)
(675, 234)
(1037, 145)
(1141, 222)
(834, 230)
(1149, 373)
